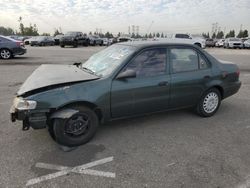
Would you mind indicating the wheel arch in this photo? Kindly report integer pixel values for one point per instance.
(88, 104)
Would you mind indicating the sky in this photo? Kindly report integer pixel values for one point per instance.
(167, 16)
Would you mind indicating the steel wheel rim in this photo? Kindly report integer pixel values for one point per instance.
(5, 54)
(210, 102)
(77, 125)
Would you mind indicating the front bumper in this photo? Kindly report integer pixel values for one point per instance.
(37, 119)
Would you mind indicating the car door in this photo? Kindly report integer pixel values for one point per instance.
(190, 72)
(148, 91)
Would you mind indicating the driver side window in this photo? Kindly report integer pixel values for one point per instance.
(150, 62)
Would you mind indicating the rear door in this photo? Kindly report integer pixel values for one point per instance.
(190, 72)
(148, 91)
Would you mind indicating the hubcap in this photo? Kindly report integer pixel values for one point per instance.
(77, 125)
(210, 102)
(5, 54)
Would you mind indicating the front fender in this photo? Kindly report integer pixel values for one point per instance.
(64, 113)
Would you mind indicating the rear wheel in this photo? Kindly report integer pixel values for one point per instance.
(62, 46)
(209, 103)
(5, 54)
(77, 129)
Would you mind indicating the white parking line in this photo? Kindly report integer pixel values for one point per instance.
(64, 170)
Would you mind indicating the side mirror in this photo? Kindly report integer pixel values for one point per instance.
(126, 74)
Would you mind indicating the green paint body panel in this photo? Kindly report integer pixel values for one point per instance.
(136, 96)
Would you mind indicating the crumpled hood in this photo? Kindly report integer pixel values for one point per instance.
(50, 75)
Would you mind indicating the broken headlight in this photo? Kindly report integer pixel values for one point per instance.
(22, 104)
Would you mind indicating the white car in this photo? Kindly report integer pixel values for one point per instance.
(220, 43)
(29, 40)
(105, 41)
(199, 41)
(247, 44)
(233, 43)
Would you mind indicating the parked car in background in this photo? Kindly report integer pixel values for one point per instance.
(220, 43)
(74, 38)
(233, 43)
(105, 41)
(124, 80)
(57, 39)
(42, 41)
(124, 39)
(95, 40)
(210, 43)
(28, 40)
(199, 41)
(247, 44)
(10, 47)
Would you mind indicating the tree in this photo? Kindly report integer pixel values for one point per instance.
(28, 31)
(90, 33)
(6, 31)
(230, 34)
(220, 35)
(214, 36)
(146, 35)
(119, 34)
(45, 34)
(158, 35)
(150, 35)
(57, 32)
(162, 35)
(245, 33)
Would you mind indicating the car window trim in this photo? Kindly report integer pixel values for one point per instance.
(140, 52)
(187, 47)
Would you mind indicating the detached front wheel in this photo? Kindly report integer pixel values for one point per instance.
(209, 103)
(77, 129)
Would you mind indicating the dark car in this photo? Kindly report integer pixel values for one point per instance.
(42, 41)
(123, 80)
(74, 39)
(210, 42)
(95, 40)
(57, 39)
(10, 47)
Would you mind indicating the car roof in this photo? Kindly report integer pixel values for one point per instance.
(146, 44)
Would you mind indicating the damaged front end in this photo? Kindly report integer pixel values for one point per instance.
(25, 111)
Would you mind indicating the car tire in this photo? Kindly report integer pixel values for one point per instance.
(209, 103)
(65, 130)
(75, 45)
(5, 53)
(62, 46)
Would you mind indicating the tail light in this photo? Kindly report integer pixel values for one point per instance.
(238, 73)
(19, 43)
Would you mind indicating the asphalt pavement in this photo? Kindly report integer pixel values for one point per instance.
(170, 149)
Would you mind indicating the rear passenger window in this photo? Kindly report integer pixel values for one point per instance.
(203, 63)
(183, 59)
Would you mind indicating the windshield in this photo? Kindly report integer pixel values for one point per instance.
(106, 61)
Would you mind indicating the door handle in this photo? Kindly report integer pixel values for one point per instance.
(164, 83)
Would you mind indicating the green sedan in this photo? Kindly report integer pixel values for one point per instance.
(123, 80)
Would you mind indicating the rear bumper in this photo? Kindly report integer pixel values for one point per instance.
(19, 51)
(232, 89)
